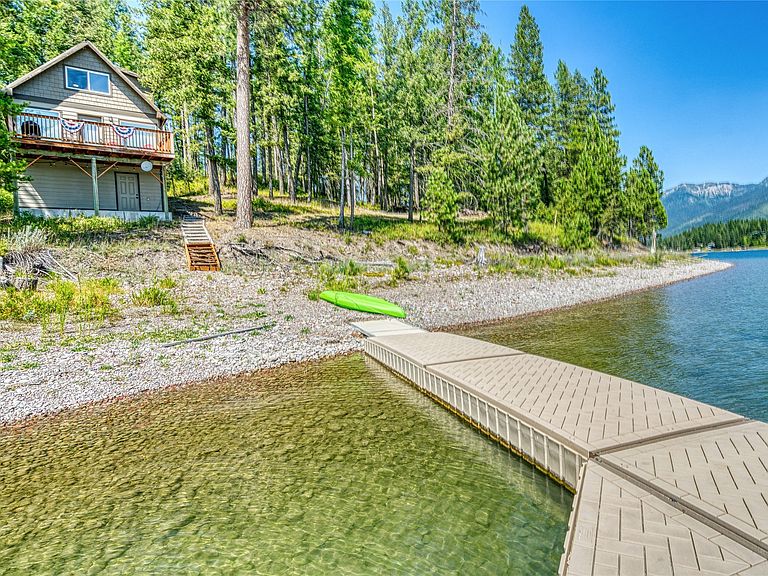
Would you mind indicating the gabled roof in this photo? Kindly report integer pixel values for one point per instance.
(125, 75)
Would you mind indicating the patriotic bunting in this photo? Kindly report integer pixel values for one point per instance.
(73, 126)
(123, 131)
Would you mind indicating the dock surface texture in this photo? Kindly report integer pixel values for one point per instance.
(198, 245)
(664, 485)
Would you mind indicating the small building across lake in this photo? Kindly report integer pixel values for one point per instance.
(93, 139)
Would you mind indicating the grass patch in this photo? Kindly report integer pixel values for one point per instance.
(81, 228)
(345, 276)
(158, 295)
(59, 302)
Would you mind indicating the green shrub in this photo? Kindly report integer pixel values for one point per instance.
(26, 240)
(401, 271)
(345, 276)
(6, 202)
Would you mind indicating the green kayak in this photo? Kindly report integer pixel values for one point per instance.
(363, 303)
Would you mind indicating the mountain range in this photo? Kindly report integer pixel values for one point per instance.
(690, 205)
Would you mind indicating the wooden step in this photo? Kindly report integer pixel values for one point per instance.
(198, 244)
(202, 257)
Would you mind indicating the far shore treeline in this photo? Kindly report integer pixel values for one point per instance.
(731, 234)
(420, 113)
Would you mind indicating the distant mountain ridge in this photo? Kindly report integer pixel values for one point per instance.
(690, 205)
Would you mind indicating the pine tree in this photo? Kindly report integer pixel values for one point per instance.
(244, 215)
(601, 105)
(594, 189)
(529, 82)
(645, 186)
(510, 165)
(348, 38)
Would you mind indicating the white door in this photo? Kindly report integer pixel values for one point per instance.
(128, 192)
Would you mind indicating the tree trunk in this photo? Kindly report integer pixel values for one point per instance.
(377, 154)
(342, 179)
(263, 164)
(412, 183)
(287, 159)
(297, 174)
(271, 180)
(452, 74)
(214, 189)
(385, 183)
(244, 217)
(351, 188)
(187, 138)
(307, 180)
(653, 240)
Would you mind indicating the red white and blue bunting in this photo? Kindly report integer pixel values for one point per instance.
(73, 126)
(123, 131)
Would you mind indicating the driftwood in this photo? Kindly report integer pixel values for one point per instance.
(247, 250)
(217, 335)
(26, 266)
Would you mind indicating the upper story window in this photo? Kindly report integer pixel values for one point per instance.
(79, 79)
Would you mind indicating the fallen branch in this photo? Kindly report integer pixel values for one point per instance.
(248, 251)
(219, 335)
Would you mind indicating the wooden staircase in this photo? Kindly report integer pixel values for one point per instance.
(201, 252)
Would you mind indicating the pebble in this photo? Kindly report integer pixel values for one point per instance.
(61, 378)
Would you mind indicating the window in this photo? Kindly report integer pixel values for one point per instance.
(78, 79)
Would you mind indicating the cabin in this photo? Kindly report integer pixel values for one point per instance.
(93, 140)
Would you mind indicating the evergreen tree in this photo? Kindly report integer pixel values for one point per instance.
(347, 35)
(532, 91)
(601, 105)
(645, 186)
(511, 165)
(594, 189)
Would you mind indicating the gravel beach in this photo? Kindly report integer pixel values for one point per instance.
(48, 378)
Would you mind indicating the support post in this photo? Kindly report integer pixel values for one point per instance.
(16, 199)
(164, 193)
(95, 180)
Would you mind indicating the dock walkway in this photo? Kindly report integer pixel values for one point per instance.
(664, 485)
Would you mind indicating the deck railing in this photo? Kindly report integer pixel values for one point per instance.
(39, 128)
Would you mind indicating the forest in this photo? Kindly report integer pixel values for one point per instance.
(346, 103)
(731, 234)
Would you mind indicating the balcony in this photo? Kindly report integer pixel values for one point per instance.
(52, 133)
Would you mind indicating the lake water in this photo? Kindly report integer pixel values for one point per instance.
(336, 467)
(706, 339)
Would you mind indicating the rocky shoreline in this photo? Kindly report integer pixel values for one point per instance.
(296, 329)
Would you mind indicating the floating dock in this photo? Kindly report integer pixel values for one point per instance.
(664, 485)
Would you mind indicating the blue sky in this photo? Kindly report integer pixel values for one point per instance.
(689, 79)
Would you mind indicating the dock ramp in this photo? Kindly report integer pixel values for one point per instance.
(198, 245)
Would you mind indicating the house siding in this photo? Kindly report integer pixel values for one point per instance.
(63, 186)
(48, 90)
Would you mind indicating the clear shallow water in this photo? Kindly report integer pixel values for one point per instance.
(329, 468)
(706, 338)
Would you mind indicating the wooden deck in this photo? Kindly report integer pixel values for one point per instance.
(665, 485)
